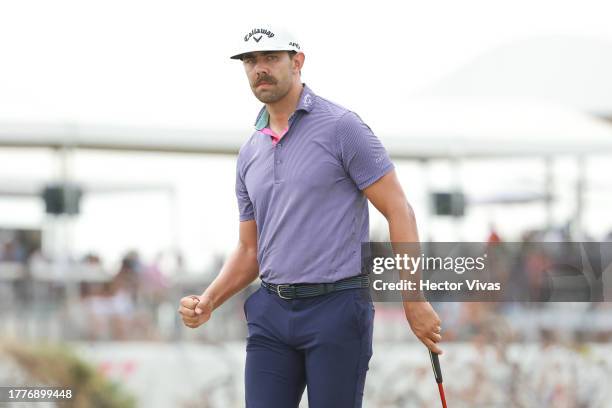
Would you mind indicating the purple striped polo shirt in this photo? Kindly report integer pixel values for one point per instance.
(304, 192)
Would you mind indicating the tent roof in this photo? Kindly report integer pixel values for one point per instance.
(462, 127)
(568, 70)
(429, 128)
(529, 98)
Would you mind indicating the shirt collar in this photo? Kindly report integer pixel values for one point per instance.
(306, 103)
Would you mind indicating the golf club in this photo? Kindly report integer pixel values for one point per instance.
(435, 364)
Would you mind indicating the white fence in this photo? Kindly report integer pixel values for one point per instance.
(518, 375)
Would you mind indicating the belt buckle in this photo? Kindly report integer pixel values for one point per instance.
(278, 291)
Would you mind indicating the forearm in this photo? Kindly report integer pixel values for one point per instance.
(240, 269)
(404, 238)
(402, 226)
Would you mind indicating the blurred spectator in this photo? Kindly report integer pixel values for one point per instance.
(92, 259)
(12, 251)
(153, 282)
(494, 237)
(16, 245)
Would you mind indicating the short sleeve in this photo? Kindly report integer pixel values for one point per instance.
(245, 206)
(364, 158)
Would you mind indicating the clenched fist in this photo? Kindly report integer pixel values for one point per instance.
(195, 310)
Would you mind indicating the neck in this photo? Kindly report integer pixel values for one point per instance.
(280, 111)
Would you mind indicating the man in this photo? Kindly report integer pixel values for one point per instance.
(303, 183)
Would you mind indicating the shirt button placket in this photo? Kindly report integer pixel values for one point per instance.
(277, 163)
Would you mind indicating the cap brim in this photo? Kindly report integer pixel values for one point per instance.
(239, 56)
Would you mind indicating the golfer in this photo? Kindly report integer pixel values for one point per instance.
(303, 181)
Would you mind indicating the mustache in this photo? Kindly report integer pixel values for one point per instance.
(265, 78)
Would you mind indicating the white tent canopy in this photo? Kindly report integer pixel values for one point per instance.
(529, 98)
(568, 70)
(419, 129)
(461, 127)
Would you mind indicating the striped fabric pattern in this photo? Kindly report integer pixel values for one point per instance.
(305, 192)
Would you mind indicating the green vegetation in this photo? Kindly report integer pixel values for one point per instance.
(58, 366)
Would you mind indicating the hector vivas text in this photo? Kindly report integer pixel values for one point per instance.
(410, 264)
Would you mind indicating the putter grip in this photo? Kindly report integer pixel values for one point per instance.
(435, 364)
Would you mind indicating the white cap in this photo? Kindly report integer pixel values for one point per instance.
(266, 38)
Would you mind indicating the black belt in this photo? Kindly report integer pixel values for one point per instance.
(304, 290)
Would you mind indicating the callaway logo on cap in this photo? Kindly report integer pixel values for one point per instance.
(266, 38)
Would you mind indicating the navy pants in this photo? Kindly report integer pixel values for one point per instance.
(323, 343)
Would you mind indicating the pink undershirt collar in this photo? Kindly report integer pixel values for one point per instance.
(271, 133)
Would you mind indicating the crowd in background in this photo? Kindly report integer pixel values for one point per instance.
(138, 301)
(536, 354)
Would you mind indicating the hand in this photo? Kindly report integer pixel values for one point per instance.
(195, 310)
(425, 324)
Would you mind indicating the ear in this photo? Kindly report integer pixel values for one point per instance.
(298, 61)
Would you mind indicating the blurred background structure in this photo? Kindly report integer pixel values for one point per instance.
(118, 142)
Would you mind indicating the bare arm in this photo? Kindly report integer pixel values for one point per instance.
(240, 269)
(387, 195)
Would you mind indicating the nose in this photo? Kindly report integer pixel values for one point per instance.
(261, 67)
